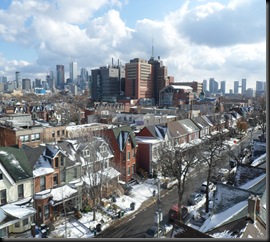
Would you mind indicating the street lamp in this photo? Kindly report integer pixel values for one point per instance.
(158, 213)
(158, 219)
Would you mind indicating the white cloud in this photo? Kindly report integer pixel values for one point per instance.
(213, 39)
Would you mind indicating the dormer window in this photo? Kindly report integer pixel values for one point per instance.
(86, 153)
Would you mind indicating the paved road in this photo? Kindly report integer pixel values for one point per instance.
(134, 226)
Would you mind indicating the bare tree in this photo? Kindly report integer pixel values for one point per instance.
(96, 170)
(212, 154)
(177, 162)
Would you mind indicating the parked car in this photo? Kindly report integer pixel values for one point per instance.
(173, 213)
(152, 232)
(204, 184)
(194, 198)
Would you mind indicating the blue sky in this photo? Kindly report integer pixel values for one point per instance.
(198, 39)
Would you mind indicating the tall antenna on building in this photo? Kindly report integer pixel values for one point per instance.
(152, 48)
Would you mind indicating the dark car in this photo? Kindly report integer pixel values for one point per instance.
(194, 198)
(173, 213)
(152, 232)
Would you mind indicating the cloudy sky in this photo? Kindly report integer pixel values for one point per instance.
(196, 39)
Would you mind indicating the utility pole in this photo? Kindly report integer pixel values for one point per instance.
(159, 215)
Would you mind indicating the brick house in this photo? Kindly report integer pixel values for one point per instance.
(124, 146)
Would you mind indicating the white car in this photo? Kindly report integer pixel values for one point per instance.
(203, 187)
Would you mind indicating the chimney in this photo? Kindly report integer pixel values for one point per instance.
(252, 205)
(19, 143)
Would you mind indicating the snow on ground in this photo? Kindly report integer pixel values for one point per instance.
(139, 193)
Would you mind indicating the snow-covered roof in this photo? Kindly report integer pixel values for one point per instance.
(181, 87)
(61, 193)
(18, 211)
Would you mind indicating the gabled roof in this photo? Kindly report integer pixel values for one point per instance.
(121, 134)
(15, 163)
(189, 125)
(207, 120)
(51, 151)
(176, 129)
(200, 122)
(157, 131)
(33, 153)
(230, 204)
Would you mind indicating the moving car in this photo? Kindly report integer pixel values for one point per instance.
(173, 213)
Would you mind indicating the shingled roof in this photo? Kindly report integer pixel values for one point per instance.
(16, 163)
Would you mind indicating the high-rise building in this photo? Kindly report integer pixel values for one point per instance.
(18, 80)
(260, 88)
(106, 82)
(205, 88)
(26, 84)
(223, 87)
(60, 76)
(84, 79)
(160, 76)
(138, 83)
(213, 86)
(73, 71)
(235, 87)
(244, 86)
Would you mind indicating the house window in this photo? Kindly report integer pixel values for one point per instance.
(129, 155)
(58, 133)
(75, 173)
(39, 213)
(53, 134)
(3, 196)
(63, 132)
(37, 136)
(86, 153)
(128, 171)
(46, 211)
(56, 162)
(42, 183)
(33, 137)
(24, 138)
(55, 180)
(133, 168)
(25, 222)
(20, 191)
(17, 225)
(62, 162)
(1, 175)
(133, 152)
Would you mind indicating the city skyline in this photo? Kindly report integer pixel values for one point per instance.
(196, 40)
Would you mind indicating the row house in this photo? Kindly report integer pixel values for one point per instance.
(61, 173)
(181, 133)
(203, 125)
(98, 173)
(53, 168)
(16, 190)
(192, 130)
(149, 140)
(124, 145)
